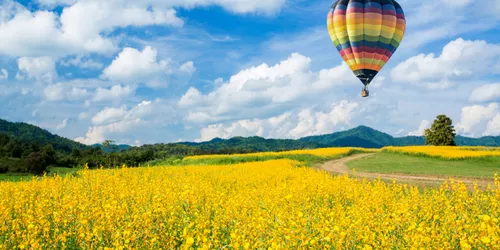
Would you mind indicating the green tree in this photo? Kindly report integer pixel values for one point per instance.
(442, 132)
(110, 146)
(49, 154)
(36, 164)
(76, 154)
(4, 139)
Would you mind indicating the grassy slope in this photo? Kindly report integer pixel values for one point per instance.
(386, 162)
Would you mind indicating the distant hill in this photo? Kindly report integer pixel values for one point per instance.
(365, 137)
(361, 136)
(27, 133)
(251, 144)
(489, 141)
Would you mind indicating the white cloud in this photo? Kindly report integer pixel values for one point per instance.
(106, 16)
(32, 34)
(240, 128)
(426, 25)
(84, 26)
(83, 116)
(109, 115)
(291, 82)
(305, 123)
(459, 60)
(63, 91)
(4, 74)
(114, 93)
(425, 124)
(82, 63)
(99, 134)
(79, 29)
(486, 93)
(473, 118)
(188, 68)
(62, 125)
(321, 123)
(56, 2)
(132, 65)
(42, 69)
(115, 121)
(493, 128)
(399, 132)
(236, 6)
(191, 98)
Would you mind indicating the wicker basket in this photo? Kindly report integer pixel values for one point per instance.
(365, 93)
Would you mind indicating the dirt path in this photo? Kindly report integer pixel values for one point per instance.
(339, 167)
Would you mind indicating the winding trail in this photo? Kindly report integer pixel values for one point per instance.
(339, 166)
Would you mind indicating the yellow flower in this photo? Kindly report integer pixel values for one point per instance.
(485, 240)
(486, 218)
(242, 206)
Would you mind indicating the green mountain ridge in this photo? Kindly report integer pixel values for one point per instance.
(27, 133)
(361, 136)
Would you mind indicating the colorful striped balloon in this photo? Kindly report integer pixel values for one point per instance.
(366, 33)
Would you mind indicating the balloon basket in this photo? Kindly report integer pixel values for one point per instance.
(365, 93)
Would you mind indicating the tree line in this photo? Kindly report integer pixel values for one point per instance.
(34, 157)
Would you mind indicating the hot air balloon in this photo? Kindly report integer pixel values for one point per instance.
(366, 33)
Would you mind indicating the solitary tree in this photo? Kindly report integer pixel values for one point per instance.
(442, 132)
(110, 145)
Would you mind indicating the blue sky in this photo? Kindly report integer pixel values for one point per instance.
(151, 71)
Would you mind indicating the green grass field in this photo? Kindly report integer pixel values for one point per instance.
(386, 162)
(26, 177)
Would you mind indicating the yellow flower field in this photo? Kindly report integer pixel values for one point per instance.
(321, 152)
(448, 152)
(261, 205)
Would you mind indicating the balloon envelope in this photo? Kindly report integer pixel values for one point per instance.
(366, 33)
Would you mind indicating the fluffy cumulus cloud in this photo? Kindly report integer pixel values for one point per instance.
(479, 120)
(187, 68)
(425, 124)
(486, 93)
(298, 124)
(42, 69)
(288, 83)
(114, 93)
(132, 65)
(82, 25)
(78, 29)
(64, 92)
(112, 121)
(322, 123)
(493, 128)
(460, 60)
(109, 115)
